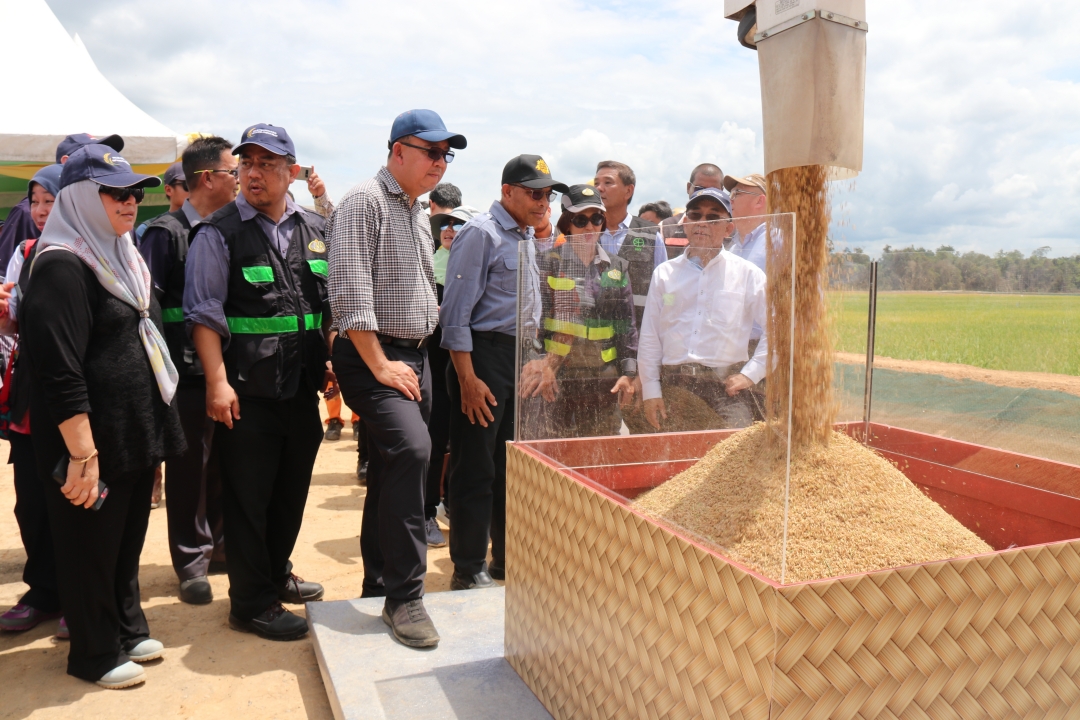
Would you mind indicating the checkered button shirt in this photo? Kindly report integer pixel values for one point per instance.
(381, 273)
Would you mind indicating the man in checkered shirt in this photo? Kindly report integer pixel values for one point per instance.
(382, 292)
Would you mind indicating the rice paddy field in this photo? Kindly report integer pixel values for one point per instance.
(1028, 333)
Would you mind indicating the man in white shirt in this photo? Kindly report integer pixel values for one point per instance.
(700, 312)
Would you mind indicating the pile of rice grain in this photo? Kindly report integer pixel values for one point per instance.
(850, 511)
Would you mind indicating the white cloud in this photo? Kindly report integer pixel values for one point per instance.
(971, 112)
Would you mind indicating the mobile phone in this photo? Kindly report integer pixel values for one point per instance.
(59, 474)
(305, 173)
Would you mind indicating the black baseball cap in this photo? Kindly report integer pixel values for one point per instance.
(426, 125)
(175, 174)
(532, 172)
(580, 197)
(71, 143)
(269, 137)
(104, 166)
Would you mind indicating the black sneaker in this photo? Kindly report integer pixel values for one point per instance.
(434, 535)
(461, 581)
(361, 472)
(196, 591)
(410, 622)
(274, 623)
(298, 592)
(333, 430)
(356, 430)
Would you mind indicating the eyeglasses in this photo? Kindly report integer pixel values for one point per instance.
(539, 194)
(434, 154)
(698, 216)
(737, 191)
(122, 194)
(234, 172)
(580, 221)
(456, 226)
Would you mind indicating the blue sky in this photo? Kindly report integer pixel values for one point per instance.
(972, 111)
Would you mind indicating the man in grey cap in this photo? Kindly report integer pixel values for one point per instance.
(479, 325)
(176, 190)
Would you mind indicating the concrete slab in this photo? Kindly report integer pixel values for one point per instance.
(370, 676)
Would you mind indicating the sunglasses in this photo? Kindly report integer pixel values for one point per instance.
(434, 154)
(580, 221)
(539, 194)
(698, 216)
(456, 226)
(122, 194)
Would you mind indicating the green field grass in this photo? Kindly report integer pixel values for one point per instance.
(1033, 333)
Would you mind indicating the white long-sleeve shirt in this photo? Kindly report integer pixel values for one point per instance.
(702, 315)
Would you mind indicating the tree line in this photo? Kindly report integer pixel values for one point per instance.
(918, 269)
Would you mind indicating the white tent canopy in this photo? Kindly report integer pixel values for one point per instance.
(35, 44)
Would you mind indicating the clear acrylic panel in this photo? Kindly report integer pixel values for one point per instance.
(698, 439)
(976, 394)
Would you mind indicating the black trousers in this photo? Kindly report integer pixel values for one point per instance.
(478, 460)
(266, 462)
(193, 482)
(392, 539)
(439, 433)
(97, 566)
(32, 514)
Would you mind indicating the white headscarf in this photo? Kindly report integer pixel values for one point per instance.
(79, 224)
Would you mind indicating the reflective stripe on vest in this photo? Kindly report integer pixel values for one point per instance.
(259, 274)
(557, 348)
(560, 283)
(601, 332)
(172, 315)
(272, 325)
(319, 267)
(608, 355)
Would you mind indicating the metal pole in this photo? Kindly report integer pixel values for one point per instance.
(871, 325)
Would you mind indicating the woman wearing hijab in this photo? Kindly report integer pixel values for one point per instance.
(42, 601)
(100, 399)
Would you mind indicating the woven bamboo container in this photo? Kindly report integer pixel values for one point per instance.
(611, 614)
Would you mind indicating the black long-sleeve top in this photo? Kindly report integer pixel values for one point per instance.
(82, 346)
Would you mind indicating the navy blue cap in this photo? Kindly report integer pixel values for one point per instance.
(426, 125)
(47, 177)
(720, 196)
(104, 166)
(269, 137)
(71, 143)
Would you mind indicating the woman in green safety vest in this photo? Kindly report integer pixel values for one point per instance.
(588, 326)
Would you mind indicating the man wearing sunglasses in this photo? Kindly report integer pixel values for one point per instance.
(382, 290)
(255, 301)
(701, 310)
(479, 326)
(705, 175)
(196, 537)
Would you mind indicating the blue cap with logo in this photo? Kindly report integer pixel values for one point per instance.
(48, 178)
(104, 166)
(268, 137)
(426, 125)
(720, 196)
(71, 143)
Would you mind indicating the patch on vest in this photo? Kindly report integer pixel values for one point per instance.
(639, 242)
(614, 274)
(317, 246)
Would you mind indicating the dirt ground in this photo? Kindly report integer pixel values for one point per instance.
(208, 671)
(1004, 378)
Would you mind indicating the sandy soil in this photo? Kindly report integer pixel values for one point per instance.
(208, 671)
(1069, 384)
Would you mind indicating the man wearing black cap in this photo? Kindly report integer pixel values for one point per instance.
(255, 300)
(176, 190)
(705, 175)
(479, 322)
(195, 526)
(382, 290)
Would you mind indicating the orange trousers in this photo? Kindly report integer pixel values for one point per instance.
(333, 410)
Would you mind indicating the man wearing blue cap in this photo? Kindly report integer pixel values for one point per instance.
(700, 312)
(382, 290)
(255, 300)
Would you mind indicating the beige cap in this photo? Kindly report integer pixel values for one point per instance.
(753, 180)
